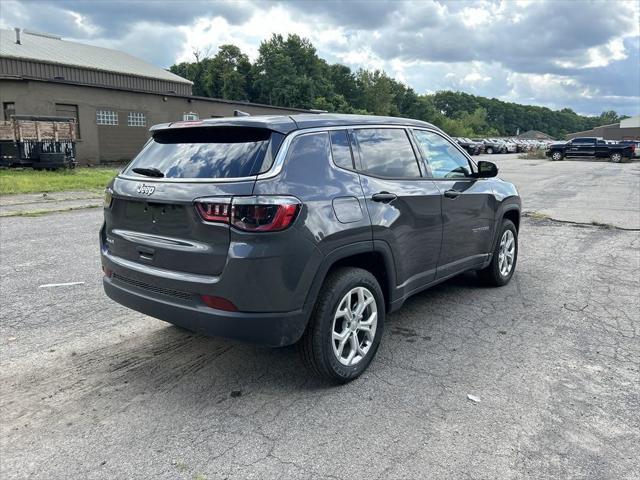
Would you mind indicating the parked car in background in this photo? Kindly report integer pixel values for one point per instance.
(522, 146)
(591, 147)
(479, 146)
(510, 145)
(490, 145)
(303, 229)
(470, 147)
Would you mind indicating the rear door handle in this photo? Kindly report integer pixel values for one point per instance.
(451, 194)
(384, 197)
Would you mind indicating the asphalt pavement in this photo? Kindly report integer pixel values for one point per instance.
(537, 379)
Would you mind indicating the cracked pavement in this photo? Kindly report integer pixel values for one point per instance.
(92, 390)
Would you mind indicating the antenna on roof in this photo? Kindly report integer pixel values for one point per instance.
(240, 113)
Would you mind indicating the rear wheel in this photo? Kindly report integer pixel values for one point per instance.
(505, 256)
(615, 157)
(556, 156)
(346, 326)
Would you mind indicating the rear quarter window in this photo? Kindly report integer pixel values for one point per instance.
(341, 149)
(208, 152)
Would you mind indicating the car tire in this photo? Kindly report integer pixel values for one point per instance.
(320, 345)
(489, 150)
(496, 274)
(557, 156)
(616, 157)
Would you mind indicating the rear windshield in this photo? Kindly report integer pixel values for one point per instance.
(203, 152)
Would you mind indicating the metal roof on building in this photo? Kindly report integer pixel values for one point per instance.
(51, 49)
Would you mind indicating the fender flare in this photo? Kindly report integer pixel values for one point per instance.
(509, 204)
(346, 251)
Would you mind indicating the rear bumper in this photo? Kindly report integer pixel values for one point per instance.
(269, 329)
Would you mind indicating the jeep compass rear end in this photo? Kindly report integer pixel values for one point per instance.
(308, 229)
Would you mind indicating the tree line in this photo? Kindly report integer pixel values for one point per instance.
(289, 73)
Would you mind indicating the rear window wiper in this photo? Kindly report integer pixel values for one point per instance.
(148, 172)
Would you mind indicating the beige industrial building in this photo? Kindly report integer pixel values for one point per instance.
(114, 97)
(627, 129)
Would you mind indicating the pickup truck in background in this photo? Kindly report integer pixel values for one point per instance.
(590, 147)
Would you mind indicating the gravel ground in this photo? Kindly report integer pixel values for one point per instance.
(92, 390)
(578, 190)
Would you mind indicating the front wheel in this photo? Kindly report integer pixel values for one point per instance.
(615, 157)
(556, 156)
(346, 326)
(489, 150)
(505, 256)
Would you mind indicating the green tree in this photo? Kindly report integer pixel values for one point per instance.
(289, 73)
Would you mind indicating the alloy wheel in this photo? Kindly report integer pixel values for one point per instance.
(507, 253)
(616, 157)
(557, 156)
(354, 326)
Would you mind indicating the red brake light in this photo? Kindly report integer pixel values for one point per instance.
(251, 214)
(214, 212)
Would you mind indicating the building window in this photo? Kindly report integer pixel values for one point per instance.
(69, 111)
(106, 117)
(137, 119)
(189, 117)
(9, 109)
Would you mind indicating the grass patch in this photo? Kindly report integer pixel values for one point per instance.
(536, 215)
(31, 181)
(40, 213)
(536, 154)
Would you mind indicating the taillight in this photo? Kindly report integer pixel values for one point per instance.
(263, 214)
(251, 214)
(214, 212)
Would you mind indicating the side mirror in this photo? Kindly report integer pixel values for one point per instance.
(487, 169)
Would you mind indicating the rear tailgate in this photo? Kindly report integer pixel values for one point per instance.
(152, 218)
(164, 229)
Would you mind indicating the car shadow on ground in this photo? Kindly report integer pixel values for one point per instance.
(594, 160)
(172, 358)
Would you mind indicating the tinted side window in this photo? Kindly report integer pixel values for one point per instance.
(387, 152)
(445, 160)
(310, 149)
(341, 149)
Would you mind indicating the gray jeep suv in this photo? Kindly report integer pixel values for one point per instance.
(305, 228)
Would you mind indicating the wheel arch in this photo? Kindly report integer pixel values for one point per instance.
(375, 257)
(512, 212)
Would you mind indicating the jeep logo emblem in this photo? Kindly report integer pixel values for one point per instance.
(144, 189)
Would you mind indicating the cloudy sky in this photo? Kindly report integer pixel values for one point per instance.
(579, 54)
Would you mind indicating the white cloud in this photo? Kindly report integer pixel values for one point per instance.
(525, 51)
